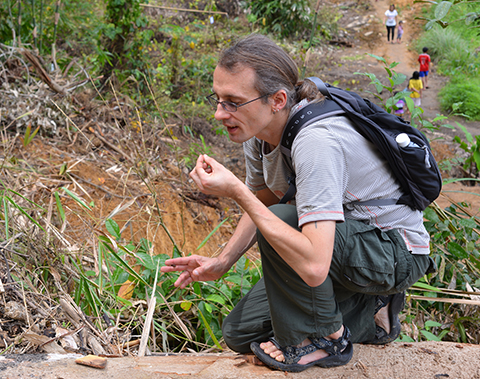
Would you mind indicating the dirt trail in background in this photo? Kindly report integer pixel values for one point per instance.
(404, 55)
(408, 59)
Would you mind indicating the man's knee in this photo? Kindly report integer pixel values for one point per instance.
(233, 339)
(238, 337)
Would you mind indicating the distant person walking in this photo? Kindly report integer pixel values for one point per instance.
(400, 32)
(415, 86)
(391, 22)
(399, 106)
(424, 60)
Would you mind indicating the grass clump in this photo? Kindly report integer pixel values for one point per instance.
(454, 56)
(450, 50)
(462, 95)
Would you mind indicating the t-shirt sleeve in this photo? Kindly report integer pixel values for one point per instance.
(254, 180)
(320, 168)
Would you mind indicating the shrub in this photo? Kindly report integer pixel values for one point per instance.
(462, 95)
(282, 17)
(75, 28)
(450, 50)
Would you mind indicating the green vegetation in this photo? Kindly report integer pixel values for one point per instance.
(452, 39)
(462, 95)
(41, 24)
(145, 72)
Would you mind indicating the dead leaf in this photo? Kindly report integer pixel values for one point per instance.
(126, 290)
(49, 345)
(66, 339)
(92, 361)
(15, 311)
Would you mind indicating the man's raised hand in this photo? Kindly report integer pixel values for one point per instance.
(212, 178)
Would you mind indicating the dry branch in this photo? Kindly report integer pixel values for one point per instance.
(42, 73)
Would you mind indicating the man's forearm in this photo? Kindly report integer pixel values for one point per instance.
(243, 239)
(309, 254)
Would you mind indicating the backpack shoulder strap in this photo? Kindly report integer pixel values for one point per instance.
(307, 115)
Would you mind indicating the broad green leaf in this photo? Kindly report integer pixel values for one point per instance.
(468, 135)
(471, 17)
(430, 24)
(186, 305)
(457, 250)
(146, 260)
(216, 298)
(235, 279)
(113, 228)
(432, 324)
(430, 214)
(399, 78)
(208, 308)
(381, 59)
(467, 222)
(429, 336)
(442, 9)
(176, 253)
(476, 158)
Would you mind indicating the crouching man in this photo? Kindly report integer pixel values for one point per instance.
(335, 271)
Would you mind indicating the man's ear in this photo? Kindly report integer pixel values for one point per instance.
(279, 99)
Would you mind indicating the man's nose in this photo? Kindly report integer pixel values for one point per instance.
(220, 113)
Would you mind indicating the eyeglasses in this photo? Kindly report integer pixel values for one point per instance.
(228, 106)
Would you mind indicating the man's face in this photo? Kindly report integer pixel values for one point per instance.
(253, 119)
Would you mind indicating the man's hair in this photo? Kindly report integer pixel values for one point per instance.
(274, 69)
(425, 49)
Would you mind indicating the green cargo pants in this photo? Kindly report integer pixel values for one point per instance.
(366, 262)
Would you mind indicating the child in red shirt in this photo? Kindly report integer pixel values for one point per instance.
(424, 60)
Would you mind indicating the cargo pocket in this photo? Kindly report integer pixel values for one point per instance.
(369, 261)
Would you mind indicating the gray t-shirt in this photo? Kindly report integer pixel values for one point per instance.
(334, 166)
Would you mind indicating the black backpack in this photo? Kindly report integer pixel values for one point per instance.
(414, 166)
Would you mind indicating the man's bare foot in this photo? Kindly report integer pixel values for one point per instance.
(270, 349)
(382, 318)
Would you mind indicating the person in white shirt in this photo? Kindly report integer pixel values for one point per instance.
(390, 22)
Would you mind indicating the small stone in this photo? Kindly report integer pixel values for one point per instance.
(92, 361)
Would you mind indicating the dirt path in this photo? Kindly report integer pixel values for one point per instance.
(408, 60)
(405, 56)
